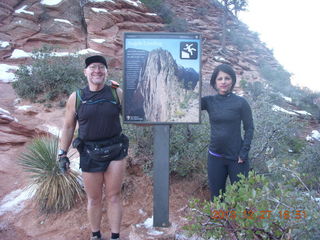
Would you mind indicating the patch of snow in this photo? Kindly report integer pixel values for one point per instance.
(62, 20)
(288, 99)
(50, 2)
(17, 53)
(132, 3)
(309, 138)
(280, 109)
(3, 111)
(303, 112)
(154, 232)
(148, 223)
(14, 201)
(4, 44)
(98, 10)
(22, 10)
(98, 40)
(23, 108)
(87, 51)
(101, 1)
(52, 129)
(5, 73)
(219, 58)
(141, 212)
(315, 135)
(151, 14)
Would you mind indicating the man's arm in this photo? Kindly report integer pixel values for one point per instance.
(69, 123)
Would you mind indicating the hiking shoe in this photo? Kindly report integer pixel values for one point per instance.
(96, 238)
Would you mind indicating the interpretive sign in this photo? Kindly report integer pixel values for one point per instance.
(162, 78)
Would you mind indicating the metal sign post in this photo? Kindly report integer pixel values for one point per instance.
(161, 176)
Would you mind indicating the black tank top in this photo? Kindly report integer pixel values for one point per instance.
(98, 121)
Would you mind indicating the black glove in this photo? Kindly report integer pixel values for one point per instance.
(64, 164)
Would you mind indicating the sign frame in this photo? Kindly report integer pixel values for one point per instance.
(135, 64)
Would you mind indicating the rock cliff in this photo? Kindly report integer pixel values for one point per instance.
(160, 73)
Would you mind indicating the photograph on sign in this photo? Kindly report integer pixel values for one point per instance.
(162, 78)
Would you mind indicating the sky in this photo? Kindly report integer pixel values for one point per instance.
(291, 28)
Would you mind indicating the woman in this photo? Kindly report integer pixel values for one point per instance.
(228, 151)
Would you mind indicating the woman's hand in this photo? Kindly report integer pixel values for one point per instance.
(240, 160)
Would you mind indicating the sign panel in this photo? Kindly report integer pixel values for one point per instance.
(162, 78)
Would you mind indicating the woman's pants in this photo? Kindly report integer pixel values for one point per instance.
(218, 170)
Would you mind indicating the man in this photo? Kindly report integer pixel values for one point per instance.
(98, 114)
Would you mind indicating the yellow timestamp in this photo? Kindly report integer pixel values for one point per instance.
(261, 214)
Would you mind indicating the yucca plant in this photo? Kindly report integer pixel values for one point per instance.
(55, 192)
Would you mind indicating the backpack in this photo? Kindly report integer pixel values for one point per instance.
(114, 85)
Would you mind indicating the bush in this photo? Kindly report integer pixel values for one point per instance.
(189, 148)
(256, 208)
(174, 24)
(309, 166)
(55, 192)
(272, 132)
(49, 76)
(277, 76)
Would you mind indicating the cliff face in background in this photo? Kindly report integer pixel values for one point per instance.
(72, 24)
(160, 105)
(98, 27)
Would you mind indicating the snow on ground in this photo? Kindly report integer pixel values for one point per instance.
(5, 72)
(52, 129)
(24, 107)
(288, 99)
(5, 112)
(62, 20)
(98, 10)
(14, 201)
(132, 3)
(4, 44)
(50, 2)
(303, 112)
(18, 53)
(148, 224)
(22, 10)
(151, 14)
(87, 51)
(101, 1)
(280, 109)
(315, 134)
(98, 40)
(7, 115)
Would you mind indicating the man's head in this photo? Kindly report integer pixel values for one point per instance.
(96, 70)
(96, 59)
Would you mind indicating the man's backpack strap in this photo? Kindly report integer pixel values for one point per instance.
(114, 85)
(78, 98)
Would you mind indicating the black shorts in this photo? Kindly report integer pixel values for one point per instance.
(88, 164)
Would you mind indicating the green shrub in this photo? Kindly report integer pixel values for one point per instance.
(189, 148)
(256, 208)
(309, 166)
(49, 76)
(174, 24)
(272, 129)
(277, 76)
(177, 25)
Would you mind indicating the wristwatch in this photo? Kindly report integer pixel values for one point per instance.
(62, 152)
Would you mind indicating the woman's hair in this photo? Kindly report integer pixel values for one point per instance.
(226, 68)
